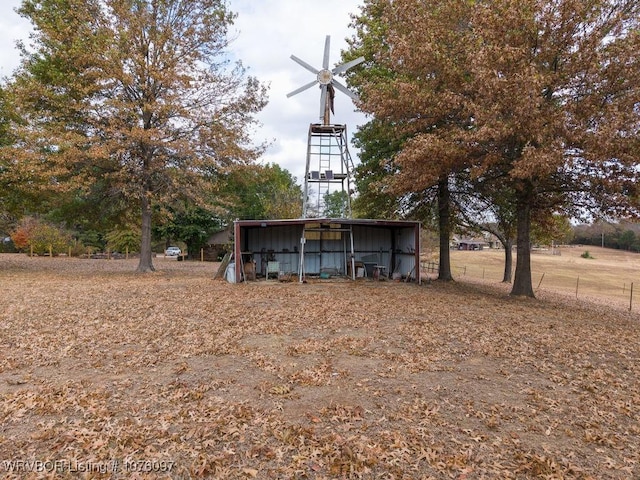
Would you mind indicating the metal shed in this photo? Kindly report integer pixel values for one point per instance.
(327, 247)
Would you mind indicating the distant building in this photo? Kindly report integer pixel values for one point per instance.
(218, 244)
(460, 243)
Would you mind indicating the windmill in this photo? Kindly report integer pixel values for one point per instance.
(327, 142)
(327, 81)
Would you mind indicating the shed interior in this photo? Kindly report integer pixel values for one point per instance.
(327, 248)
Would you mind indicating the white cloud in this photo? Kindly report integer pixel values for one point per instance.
(267, 33)
(12, 28)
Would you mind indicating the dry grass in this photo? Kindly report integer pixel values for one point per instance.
(606, 277)
(202, 379)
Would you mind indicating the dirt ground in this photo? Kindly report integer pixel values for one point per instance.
(105, 373)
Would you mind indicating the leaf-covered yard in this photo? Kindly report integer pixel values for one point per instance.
(104, 372)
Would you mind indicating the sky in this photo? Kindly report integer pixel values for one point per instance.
(266, 33)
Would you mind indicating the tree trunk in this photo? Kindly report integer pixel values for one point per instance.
(508, 261)
(522, 285)
(146, 264)
(444, 225)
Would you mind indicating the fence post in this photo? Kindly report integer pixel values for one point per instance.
(202, 254)
(631, 297)
(50, 251)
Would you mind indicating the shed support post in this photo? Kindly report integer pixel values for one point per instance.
(353, 254)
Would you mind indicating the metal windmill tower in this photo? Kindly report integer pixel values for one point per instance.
(329, 163)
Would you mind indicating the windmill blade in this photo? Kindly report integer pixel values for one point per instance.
(346, 66)
(323, 101)
(345, 90)
(304, 64)
(302, 89)
(326, 79)
(325, 60)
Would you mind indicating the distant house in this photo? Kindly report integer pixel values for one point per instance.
(218, 244)
(469, 243)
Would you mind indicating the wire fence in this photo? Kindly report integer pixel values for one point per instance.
(612, 291)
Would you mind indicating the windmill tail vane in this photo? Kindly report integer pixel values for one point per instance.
(332, 96)
(325, 77)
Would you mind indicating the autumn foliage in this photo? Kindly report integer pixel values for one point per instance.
(20, 238)
(41, 238)
(324, 380)
(135, 99)
(534, 101)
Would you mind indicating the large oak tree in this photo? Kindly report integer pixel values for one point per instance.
(540, 94)
(137, 93)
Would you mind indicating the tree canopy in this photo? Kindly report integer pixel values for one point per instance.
(253, 192)
(137, 94)
(538, 98)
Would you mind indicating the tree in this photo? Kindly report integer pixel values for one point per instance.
(23, 194)
(629, 240)
(597, 233)
(540, 94)
(554, 229)
(335, 204)
(123, 240)
(19, 194)
(5, 222)
(413, 52)
(33, 234)
(191, 224)
(486, 207)
(378, 145)
(135, 92)
(255, 192)
(555, 108)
